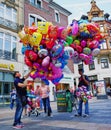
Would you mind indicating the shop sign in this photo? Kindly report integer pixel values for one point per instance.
(7, 66)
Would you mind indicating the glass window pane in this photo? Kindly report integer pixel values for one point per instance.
(1, 44)
(1, 34)
(13, 50)
(8, 77)
(38, 3)
(32, 1)
(14, 39)
(1, 76)
(32, 20)
(0, 88)
(7, 44)
(15, 18)
(6, 89)
(8, 13)
(1, 12)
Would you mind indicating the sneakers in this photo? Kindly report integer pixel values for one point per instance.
(45, 114)
(85, 115)
(78, 115)
(17, 126)
(51, 115)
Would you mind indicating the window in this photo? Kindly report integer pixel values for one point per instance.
(1, 10)
(33, 18)
(38, 3)
(102, 28)
(32, 1)
(92, 66)
(14, 40)
(8, 13)
(57, 18)
(80, 66)
(103, 45)
(104, 63)
(7, 46)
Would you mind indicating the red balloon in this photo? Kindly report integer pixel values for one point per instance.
(28, 62)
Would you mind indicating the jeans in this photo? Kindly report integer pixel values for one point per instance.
(46, 103)
(80, 107)
(18, 112)
(41, 103)
(12, 103)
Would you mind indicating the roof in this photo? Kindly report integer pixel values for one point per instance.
(57, 6)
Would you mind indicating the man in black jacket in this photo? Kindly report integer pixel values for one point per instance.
(21, 95)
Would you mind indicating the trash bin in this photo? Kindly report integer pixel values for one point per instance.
(61, 101)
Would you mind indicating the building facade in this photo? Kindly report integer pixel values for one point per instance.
(11, 60)
(100, 69)
(14, 14)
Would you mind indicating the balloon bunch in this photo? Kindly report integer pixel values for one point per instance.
(83, 93)
(47, 48)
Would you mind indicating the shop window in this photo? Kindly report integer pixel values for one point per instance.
(8, 77)
(104, 63)
(6, 88)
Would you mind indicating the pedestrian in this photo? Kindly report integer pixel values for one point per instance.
(38, 97)
(83, 81)
(44, 93)
(21, 99)
(12, 97)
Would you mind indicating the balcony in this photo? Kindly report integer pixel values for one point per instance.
(7, 55)
(9, 24)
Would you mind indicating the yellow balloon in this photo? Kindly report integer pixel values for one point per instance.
(43, 27)
(35, 39)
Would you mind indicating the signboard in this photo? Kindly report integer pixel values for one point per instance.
(101, 89)
(61, 102)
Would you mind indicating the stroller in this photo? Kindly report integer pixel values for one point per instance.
(32, 106)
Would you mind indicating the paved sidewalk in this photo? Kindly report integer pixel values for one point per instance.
(99, 119)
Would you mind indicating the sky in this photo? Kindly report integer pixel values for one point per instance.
(81, 7)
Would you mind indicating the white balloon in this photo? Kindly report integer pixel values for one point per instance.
(69, 51)
(95, 52)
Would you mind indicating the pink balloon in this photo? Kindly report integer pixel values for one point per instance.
(75, 28)
(83, 43)
(46, 61)
(83, 56)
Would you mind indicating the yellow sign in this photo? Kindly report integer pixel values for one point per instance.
(7, 66)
